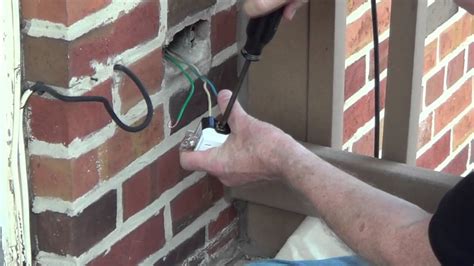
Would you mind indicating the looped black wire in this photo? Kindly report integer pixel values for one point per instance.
(41, 88)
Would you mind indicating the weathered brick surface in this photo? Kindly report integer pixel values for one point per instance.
(453, 106)
(223, 30)
(55, 121)
(354, 4)
(424, 131)
(149, 183)
(202, 194)
(431, 55)
(150, 71)
(463, 129)
(434, 87)
(436, 154)
(225, 218)
(124, 147)
(221, 241)
(470, 64)
(453, 36)
(359, 32)
(184, 250)
(137, 245)
(65, 235)
(60, 11)
(383, 54)
(57, 61)
(365, 145)
(455, 69)
(458, 165)
(180, 9)
(63, 178)
(355, 77)
(136, 27)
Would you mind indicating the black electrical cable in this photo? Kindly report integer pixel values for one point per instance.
(41, 88)
(375, 29)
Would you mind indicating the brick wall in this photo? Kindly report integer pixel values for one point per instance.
(446, 130)
(103, 196)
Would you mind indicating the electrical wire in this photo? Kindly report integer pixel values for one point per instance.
(194, 69)
(191, 91)
(376, 78)
(209, 101)
(41, 88)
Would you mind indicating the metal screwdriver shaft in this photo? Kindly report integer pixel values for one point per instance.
(228, 109)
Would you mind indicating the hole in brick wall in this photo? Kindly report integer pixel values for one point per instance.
(194, 45)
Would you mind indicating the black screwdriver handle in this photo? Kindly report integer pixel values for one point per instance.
(260, 31)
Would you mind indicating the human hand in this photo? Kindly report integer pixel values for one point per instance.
(256, 8)
(253, 151)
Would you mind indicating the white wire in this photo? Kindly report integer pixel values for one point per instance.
(209, 101)
(206, 89)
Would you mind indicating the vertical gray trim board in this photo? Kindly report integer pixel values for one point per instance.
(326, 71)
(405, 71)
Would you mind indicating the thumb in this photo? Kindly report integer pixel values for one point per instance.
(194, 160)
(237, 110)
(255, 8)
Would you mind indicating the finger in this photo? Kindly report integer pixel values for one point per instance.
(291, 9)
(255, 8)
(237, 110)
(194, 160)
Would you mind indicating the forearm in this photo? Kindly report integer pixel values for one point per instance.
(379, 226)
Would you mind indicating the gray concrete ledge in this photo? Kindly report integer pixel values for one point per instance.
(422, 187)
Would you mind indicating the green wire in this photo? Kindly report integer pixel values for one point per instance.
(193, 69)
(188, 77)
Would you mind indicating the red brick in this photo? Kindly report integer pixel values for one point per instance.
(383, 54)
(202, 195)
(463, 129)
(55, 121)
(226, 217)
(150, 71)
(63, 178)
(65, 235)
(223, 29)
(136, 27)
(435, 155)
(471, 56)
(149, 183)
(458, 102)
(453, 36)
(60, 11)
(358, 115)
(137, 192)
(184, 250)
(167, 171)
(136, 246)
(459, 164)
(455, 69)
(354, 4)
(431, 54)
(365, 145)
(124, 147)
(359, 32)
(424, 131)
(355, 77)
(434, 87)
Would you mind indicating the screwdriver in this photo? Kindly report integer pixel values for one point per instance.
(260, 31)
